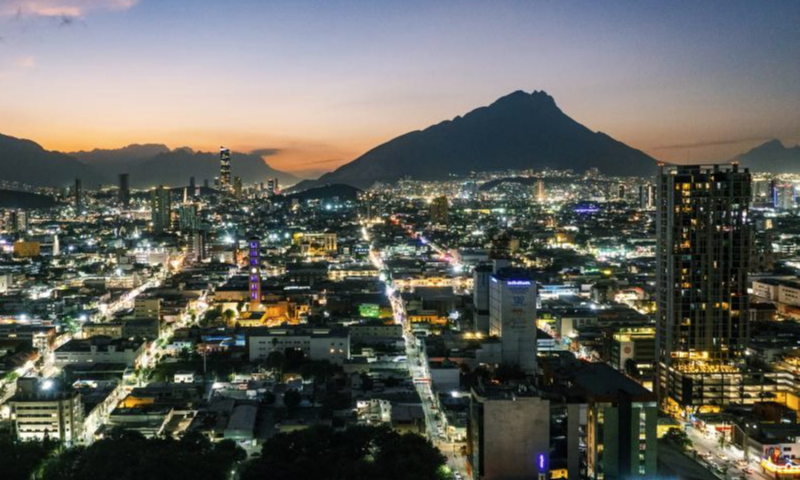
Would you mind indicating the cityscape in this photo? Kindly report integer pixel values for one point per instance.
(495, 291)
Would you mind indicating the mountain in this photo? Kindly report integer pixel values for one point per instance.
(27, 162)
(327, 192)
(148, 165)
(131, 153)
(176, 166)
(519, 131)
(772, 157)
(15, 199)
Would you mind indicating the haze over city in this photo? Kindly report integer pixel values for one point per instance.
(319, 83)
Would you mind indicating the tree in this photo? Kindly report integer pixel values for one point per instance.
(679, 438)
(70, 325)
(210, 317)
(126, 455)
(360, 453)
(228, 315)
(275, 361)
(20, 460)
(292, 399)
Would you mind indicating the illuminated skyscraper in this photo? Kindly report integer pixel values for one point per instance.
(783, 195)
(196, 245)
(647, 196)
(254, 260)
(189, 216)
(224, 168)
(703, 242)
(540, 192)
(272, 187)
(512, 317)
(438, 210)
(161, 208)
(237, 187)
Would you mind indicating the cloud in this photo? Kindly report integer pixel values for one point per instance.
(60, 8)
(266, 152)
(713, 143)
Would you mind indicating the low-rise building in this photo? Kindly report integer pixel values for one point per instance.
(46, 409)
(101, 349)
(328, 344)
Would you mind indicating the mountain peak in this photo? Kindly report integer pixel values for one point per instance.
(516, 132)
(772, 156)
(537, 98)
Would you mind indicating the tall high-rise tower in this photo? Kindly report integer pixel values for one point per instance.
(224, 168)
(124, 189)
(439, 210)
(541, 196)
(78, 195)
(161, 208)
(512, 317)
(703, 242)
(254, 264)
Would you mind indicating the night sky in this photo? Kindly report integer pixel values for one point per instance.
(323, 81)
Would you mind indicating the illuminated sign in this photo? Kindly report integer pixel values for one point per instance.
(518, 283)
(542, 463)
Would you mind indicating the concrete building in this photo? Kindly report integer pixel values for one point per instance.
(328, 344)
(45, 409)
(146, 307)
(161, 208)
(124, 192)
(481, 278)
(703, 242)
(622, 418)
(508, 434)
(439, 210)
(100, 349)
(637, 344)
(224, 168)
(512, 317)
(783, 195)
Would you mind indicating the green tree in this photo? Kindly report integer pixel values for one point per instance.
(210, 317)
(70, 325)
(360, 453)
(679, 438)
(20, 460)
(228, 315)
(292, 399)
(124, 455)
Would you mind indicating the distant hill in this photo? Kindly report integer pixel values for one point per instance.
(771, 157)
(15, 199)
(27, 162)
(148, 165)
(176, 166)
(131, 153)
(343, 192)
(519, 131)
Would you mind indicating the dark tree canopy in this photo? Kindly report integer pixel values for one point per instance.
(129, 456)
(19, 460)
(360, 453)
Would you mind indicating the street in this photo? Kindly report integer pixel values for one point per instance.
(708, 444)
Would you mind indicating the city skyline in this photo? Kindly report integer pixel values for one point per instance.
(318, 85)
